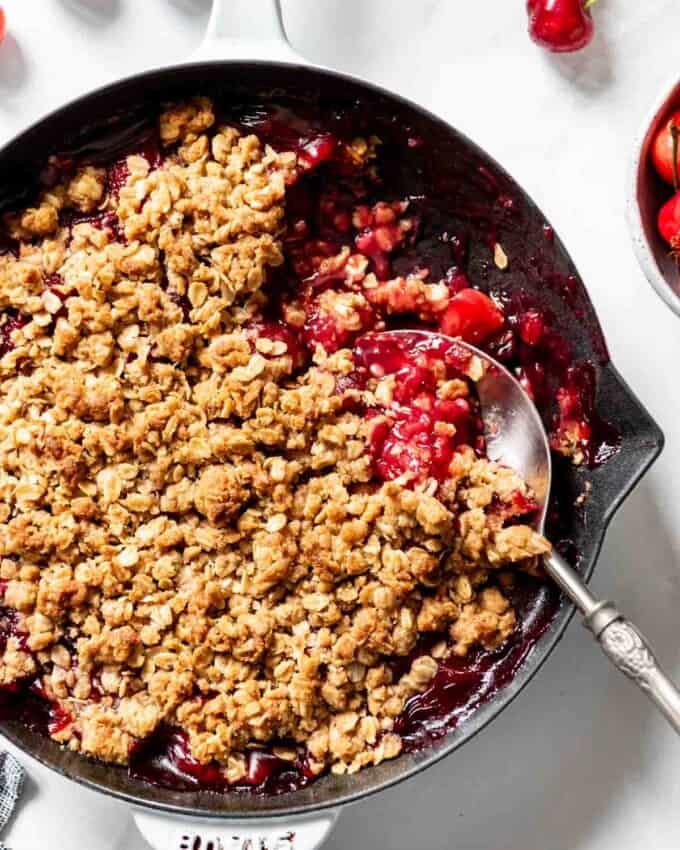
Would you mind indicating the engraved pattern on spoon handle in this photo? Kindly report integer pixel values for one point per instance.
(629, 651)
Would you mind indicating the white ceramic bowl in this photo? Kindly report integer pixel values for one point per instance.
(646, 193)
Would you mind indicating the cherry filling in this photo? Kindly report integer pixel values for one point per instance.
(381, 232)
(9, 620)
(57, 718)
(26, 702)
(416, 434)
(146, 145)
(286, 130)
(107, 221)
(328, 330)
(278, 332)
(119, 172)
(578, 422)
(316, 150)
(165, 759)
(10, 320)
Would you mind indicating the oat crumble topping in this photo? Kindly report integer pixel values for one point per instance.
(193, 531)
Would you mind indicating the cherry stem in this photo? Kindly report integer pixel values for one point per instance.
(588, 4)
(674, 130)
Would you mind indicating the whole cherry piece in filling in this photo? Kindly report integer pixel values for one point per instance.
(456, 280)
(284, 130)
(560, 26)
(531, 327)
(380, 355)
(269, 774)
(473, 316)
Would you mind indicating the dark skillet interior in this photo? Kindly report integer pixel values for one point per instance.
(476, 197)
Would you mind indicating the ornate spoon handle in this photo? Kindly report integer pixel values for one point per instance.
(628, 650)
(624, 645)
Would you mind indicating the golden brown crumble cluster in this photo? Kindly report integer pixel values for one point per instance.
(189, 535)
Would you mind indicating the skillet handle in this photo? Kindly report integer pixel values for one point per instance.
(245, 29)
(172, 832)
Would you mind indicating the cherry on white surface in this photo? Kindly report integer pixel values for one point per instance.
(580, 761)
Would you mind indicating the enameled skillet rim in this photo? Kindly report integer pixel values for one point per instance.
(360, 785)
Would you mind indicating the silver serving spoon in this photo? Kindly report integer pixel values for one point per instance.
(515, 437)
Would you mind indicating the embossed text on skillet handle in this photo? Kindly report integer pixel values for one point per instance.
(176, 832)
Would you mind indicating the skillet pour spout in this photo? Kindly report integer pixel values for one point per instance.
(472, 196)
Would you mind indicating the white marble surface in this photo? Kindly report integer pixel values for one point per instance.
(580, 761)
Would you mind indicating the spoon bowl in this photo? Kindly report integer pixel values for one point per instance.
(513, 430)
(516, 437)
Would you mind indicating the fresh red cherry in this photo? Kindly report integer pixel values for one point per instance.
(665, 149)
(560, 25)
(669, 221)
(3, 23)
(471, 315)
